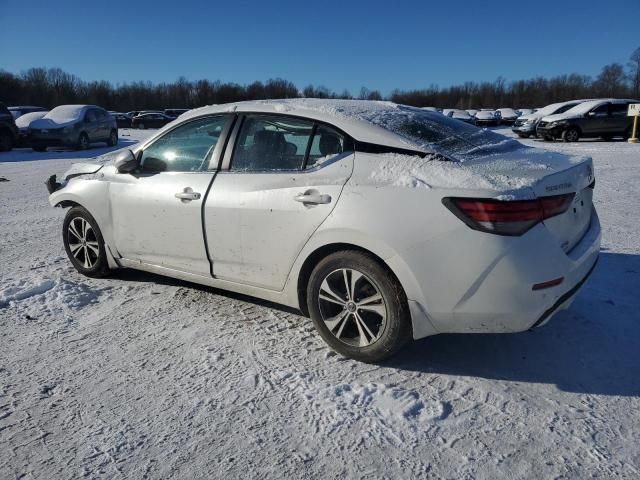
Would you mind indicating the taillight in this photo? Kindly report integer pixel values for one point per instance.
(507, 217)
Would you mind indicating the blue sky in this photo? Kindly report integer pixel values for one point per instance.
(339, 44)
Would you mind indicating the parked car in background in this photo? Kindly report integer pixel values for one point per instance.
(507, 116)
(524, 111)
(525, 125)
(175, 112)
(604, 118)
(76, 126)
(370, 280)
(431, 109)
(17, 112)
(122, 119)
(151, 120)
(23, 122)
(8, 129)
(486, 118)
(472, 111)
(461, 115)
(447, 112)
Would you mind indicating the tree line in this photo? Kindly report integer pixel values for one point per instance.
(49, 87)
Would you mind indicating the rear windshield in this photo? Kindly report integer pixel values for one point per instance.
(438, 133)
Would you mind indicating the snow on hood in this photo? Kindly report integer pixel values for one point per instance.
(486, 114)
(512, 176)
(25, 120)
(60, 116)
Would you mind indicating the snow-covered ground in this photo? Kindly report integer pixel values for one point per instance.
(140, 376)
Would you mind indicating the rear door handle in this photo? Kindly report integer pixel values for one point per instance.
(313, 198)
(187, 195)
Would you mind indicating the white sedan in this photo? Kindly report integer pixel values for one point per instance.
(382, 222)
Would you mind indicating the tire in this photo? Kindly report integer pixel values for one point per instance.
(83, 142)
(369, 332)
(112, 141)
(571, 134)
(40, 148)
(6, 141)
(84, 244)
(523, 135)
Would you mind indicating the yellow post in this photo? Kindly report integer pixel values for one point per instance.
(634, 135)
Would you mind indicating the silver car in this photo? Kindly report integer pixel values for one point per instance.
(382, 222)
(75, 126)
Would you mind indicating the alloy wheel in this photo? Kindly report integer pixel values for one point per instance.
(352, 308)
(83, 243)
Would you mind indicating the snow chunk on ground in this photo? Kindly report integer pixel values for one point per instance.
(50, 294)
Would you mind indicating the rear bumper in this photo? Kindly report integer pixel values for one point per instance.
(489, 289)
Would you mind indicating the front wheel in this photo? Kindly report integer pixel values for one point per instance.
(358, 307)
(84, 244)
(113, 138)
(571, 134)
(83, 141)
(523, 135)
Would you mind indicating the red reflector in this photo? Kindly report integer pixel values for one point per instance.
(549, 284)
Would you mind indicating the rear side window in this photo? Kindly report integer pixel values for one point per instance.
(326, 144)
(619, 109)
(186, 148)
(271, 143)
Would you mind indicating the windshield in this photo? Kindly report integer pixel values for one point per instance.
(65, 113)
(437, 133)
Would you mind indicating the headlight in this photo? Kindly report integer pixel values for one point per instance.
(557, 124)
(530, 121)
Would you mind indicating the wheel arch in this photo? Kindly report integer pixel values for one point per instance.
(421, 325)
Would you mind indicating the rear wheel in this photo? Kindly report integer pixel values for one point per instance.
(571, 134)
(84, 244)
(358, 306)
(6, 141)
(113, 138)
(83, 141)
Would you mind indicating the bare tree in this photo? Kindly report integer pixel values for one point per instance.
(633, 67)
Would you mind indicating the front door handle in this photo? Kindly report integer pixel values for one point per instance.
(187, 195)
(313, 198)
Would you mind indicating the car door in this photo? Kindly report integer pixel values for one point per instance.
(618, 120)
(90, 123)
(597, 120)
(280, 181)
(157, 211)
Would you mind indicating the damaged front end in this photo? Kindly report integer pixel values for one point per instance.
(76, 170)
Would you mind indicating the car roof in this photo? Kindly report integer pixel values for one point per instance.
(350, 116)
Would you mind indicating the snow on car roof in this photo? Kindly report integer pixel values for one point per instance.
(584, 107)
(66, 113)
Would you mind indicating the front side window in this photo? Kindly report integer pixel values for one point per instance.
(601, 111)
(91, 116)
(186, 148)
(271, 143)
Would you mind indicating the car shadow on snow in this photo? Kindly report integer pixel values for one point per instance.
(592, 348)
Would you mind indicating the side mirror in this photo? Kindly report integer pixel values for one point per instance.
(126, 162)
(590, 114)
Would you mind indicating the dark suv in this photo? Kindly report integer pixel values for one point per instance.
(605, 118)
(8, 129)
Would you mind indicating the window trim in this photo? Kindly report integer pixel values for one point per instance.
(214, 157)
(235, 134)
